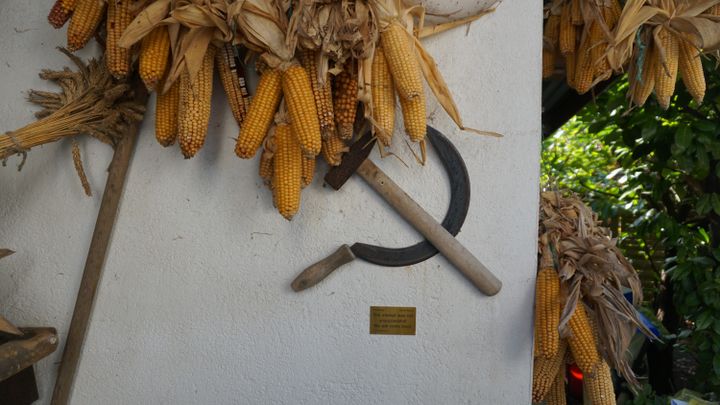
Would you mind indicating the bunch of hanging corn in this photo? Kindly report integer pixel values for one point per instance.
(183, 76)
(661, 51)
(591, 331)
(576, 34)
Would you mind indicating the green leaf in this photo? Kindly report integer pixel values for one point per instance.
(683, 137)
(703, 321)
(704, 125)
(716, 363)
(704, 205)
(715, 201)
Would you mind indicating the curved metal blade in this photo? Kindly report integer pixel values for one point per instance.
(454, 219)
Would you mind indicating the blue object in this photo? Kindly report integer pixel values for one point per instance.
(648, 324)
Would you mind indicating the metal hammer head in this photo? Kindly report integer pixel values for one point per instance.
(359, 151)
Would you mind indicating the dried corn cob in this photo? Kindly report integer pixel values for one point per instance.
(61, 11)
(557, 395)
(599, 46)
(265, 169)
(584, 69)
(548, 63)
(547, 310)
(642, 89)
(582, 341)
(570, 64)
(166, 115)
(301, 107)
(665, 79)
(402, 60)
(333, 149)
(545, 371)
(322, 92)
(383, 98)
(691, 70)
(345, 103)
(118, 19)
(567, 32)
(414, 117)
(576, 12)
(232, 77)
(287, 171)
(194, 112)
(599, 386)
(613, 13)
(154, 53)
(87, 16)
(260, 114)
(308, 170)
(714, 10)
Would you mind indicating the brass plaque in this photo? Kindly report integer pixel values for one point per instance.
(392, 320)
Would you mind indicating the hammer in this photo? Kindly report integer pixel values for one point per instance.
(356, 161)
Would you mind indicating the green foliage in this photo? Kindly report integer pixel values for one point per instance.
(662, 169)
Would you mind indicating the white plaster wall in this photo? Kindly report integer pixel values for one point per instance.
(195, 304)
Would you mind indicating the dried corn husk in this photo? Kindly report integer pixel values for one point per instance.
(686, 17)
(264, 27)
(592, 269)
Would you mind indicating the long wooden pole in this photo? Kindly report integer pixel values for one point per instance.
(96, 260)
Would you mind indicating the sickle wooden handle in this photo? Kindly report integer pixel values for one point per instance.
(318, 271)
(455, 252)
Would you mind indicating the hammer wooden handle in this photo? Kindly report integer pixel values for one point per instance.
(455, 252)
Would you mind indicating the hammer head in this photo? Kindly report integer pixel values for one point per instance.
(359, 151)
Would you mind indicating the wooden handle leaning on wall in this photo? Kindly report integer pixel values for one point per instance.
(455, 252)
(318, 271)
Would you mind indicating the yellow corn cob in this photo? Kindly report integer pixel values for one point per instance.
(345, 102)
(545, 371)
(308, 170)
(85, 19)
(547, 311)
(599, 386)
(612, 14)
(576, 12)
(266, 160)
(333, 149)
(383, 98)
(665, 79)
(557, 395)
(551, 32)
(301, 107)
(582, 340)
(118, 18)
(548, 61)
(643, 88)
(61, 11)
(584, 68)
(260, 114)
(691, 70)
(322, 93)
(166, 115)
(598, 45)
(287, 173)
(567, 32)
(154, 53)
(414, 117)
(570, 62)
(402, 60)
(194, 113)
(232, 77)
(714, 10)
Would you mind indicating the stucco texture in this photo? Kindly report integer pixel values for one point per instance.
(195, 305)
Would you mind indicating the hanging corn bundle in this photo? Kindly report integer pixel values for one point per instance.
(580, 310)
(579, 31)
(200, 38)
(660, 39)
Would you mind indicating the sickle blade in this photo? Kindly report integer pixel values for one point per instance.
(454, 219)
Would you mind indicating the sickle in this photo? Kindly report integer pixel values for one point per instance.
(398, 257)
(454, 219)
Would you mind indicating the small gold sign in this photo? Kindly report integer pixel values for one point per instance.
(392, 320)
